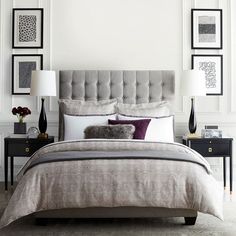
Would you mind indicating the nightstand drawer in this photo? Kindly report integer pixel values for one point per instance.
(19, 149)
(212, 149)
(25, 147)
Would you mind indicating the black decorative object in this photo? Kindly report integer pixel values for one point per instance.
(27, 28)
(192, 124)
(19, 128)
(207, 29)
(43, 122)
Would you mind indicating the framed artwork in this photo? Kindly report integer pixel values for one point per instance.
(212, 65)
(22, 66)
(27, 29)
(207, 28)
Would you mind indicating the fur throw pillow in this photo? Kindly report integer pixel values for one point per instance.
(110, 132)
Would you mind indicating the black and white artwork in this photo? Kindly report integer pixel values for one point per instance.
(22, 66)
(206, 28)
(212, 65)
(27, 28)
(25, 69)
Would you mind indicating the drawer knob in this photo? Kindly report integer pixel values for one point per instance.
(26, 149)
(209, 149)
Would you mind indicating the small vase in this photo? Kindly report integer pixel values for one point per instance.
(19, 128)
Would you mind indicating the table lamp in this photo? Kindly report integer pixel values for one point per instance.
(43, 83)
(193, 84)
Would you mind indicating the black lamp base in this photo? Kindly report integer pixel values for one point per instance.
(43, 122)
(192, 124)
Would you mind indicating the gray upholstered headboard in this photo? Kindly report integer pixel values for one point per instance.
(128, 86)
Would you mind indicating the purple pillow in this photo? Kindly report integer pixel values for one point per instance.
(140, 126)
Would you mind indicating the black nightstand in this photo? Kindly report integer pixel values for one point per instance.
(21, 147)
(214, 147)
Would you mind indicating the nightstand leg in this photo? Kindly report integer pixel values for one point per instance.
(12, 170)
(224, 171)
(6, 170)
(231, 173)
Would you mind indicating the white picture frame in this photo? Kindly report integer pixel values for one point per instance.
(27, 28)
(207, 29)
(22, 66)
(212, 65)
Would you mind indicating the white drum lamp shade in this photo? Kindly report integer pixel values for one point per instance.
(43, 83)
(193, 84)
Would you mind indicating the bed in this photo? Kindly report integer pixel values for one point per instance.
(133, 183)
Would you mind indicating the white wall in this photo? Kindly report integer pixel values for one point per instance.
(121, 34)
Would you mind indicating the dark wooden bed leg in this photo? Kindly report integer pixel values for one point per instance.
(190, 220)
(41, 221)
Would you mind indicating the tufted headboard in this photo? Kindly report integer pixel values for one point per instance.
(128, 86)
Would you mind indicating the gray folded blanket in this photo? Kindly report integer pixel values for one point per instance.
(94, 155)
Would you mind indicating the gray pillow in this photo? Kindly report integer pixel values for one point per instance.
(78, 107)
(110, 132)
(154, 109)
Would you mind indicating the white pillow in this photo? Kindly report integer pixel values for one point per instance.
(160, 129)
(78, 107)
(75, 125)
(153, 109)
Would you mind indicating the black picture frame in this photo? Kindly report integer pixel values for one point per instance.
(38, 27)
(219, 71)
(37, 58)
(219, 45)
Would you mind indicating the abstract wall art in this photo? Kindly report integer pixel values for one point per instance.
(22, 66)
(212, 65)
(27, 29)
(206, 28)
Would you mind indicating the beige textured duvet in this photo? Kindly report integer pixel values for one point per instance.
(113, 183)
